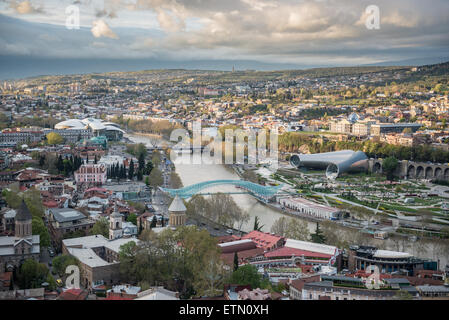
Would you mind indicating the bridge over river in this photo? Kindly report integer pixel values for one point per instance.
(263, 193)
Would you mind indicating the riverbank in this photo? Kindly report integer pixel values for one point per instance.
(267, 215)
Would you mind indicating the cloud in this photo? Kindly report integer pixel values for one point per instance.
(24, 7)
(266, 30)
(101, 29)
(169, 22)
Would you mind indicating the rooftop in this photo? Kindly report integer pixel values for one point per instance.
(66, 214)
(177, 205)
(311, 247)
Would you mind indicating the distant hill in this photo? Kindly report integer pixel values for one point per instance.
(412, 62)
(203, 72)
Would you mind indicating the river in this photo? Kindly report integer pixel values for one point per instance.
(191, 174)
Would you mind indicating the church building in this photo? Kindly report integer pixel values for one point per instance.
(23, 245)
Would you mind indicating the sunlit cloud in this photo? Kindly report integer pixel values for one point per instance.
(266, 30)
(101, 29)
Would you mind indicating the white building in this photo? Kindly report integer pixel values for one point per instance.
(310, 208)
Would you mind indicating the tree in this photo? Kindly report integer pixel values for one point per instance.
(139, 175)
(291, 228)
(247, 275)
(131, 170)
(156, 159)
(54, 138)
(128, 263)
(12, 198)
(141, 162)
(280, 227)
(236, 261)
(68, 167)
(318, 236)
(242, 218)
(32, 274)
(132, 218)
(334, 237)
(175, 181)
(153, 222)
(257, 226)
(60, 164)
(186, 260)
(101, 227)
(39, 228)
(156, 178)
(60, 263)
(389, 166)
(148, 167)
(298, 229)
(52, 285)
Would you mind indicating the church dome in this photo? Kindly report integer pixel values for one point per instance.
(177, 205)
(23, 213)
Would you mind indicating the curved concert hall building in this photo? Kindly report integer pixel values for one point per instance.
(97, 126)
(335, 163)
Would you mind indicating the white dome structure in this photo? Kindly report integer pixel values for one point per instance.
(71, 124)
(111, 130)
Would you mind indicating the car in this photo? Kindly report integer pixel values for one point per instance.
(50, 263)
(51, 252)
(229, 231)
(162, 202)
(59, 282)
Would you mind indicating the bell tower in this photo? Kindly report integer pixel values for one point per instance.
(115, 225)
(23, 221)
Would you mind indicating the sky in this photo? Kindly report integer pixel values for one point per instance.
(265, 34)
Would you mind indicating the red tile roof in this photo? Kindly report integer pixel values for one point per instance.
(6, 276)
(289, 252)
(228, 258)
(50, 204)
(73, 294)
(263, 240)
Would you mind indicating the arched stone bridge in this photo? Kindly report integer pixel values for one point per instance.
(262, 192)
(414, 170)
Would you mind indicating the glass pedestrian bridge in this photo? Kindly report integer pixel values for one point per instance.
(264, 193)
